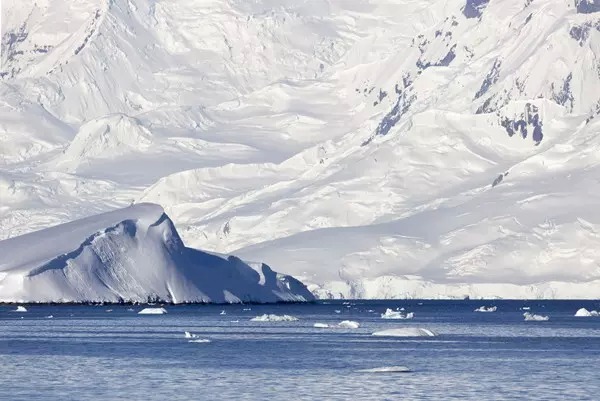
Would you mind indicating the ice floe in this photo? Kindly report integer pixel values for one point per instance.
(152, 311)
(387, 369)
(187, 334)
(405, 332)
(274, 318)
(586, 313)
(486, 309)
(531, 317)
(349, 324)
(50, 317)
(20, 309)
(397, 314)
(321, 325)
(200, 340)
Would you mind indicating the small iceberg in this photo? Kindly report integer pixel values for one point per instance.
(397, 314)
(486, 310)
(223, 313)
(386, 369)
(321, 325)
(349, 324)
(187, 334)
(337, 311)
(152, 311)
(50, 317)
(405, 332)
(109, 310)
(530, 317)
(586, 313)
(20, 309)
(200, 340)
(274, 318)
(526, 308)
(246, 309)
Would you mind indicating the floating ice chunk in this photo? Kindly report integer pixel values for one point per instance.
(387, 369)
(190, 335)
(49, 317)
(349, 324)
(337, 311)
(405, 332)
(370, 311)
(484, 309)
(200, 340)
(586, 313)
(109, 310)
(152, 311)
(526, 308)
(274, 318)
(398, 314)
(321, 325)
(530, 317)
(246, 309)
(130, 310)
(20, 309)
(234, 321)
(223, 313)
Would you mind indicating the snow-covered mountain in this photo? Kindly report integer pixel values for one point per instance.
(132, 254)
(378, 149)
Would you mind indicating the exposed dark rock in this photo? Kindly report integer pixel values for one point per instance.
(474, 8)
(564, 96)
(490, 79)
(587, 6)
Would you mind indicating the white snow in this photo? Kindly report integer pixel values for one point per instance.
(343, 142)
(485, 309)
(530, 317)
(321, 325)
(20, 309)
(152, 311)
(274, 318)
(386, 369)
(131, 254)
(348, 324)
(397, 314)
(405, 332)
(586, 313)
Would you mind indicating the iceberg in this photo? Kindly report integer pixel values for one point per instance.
(530, 317)
(386, 369)
(586, 313)
(132, 254)
(486, 310)
(274, 318)
(152, 311)
(187, 334)
(397, 314)
(405, 332)
(321, 325)
(20, 309)
(348, 324)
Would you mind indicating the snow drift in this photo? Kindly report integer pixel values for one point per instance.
(132, 254)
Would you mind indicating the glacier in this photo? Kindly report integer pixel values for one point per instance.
(132, 254)
(381, 149)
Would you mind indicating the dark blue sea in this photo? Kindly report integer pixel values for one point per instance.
(112, 353)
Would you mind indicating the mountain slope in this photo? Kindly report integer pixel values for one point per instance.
(134, 255)
(372, 149)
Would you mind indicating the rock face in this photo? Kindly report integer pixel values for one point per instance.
(132, 254)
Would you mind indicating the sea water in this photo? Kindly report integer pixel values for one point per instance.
(110, 352)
